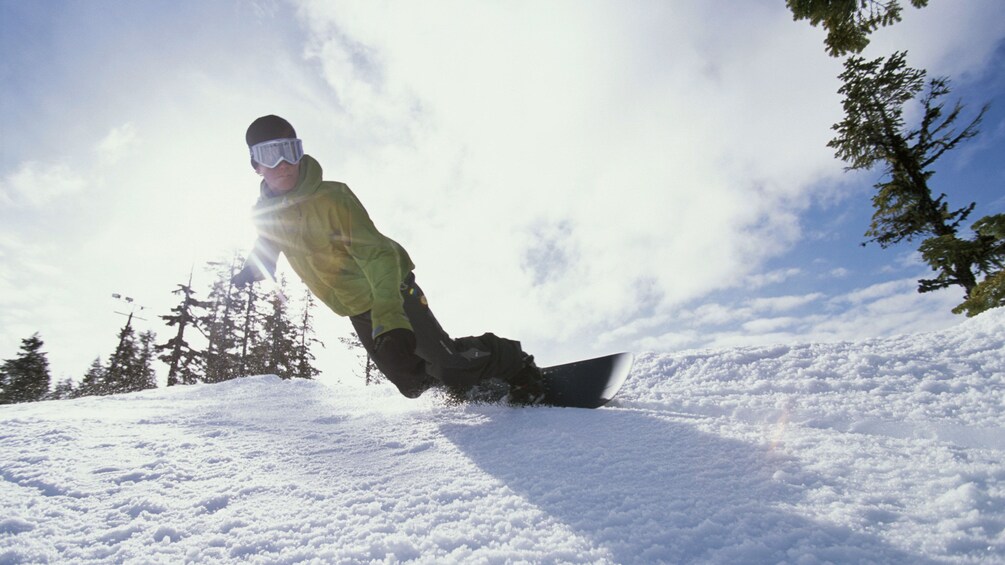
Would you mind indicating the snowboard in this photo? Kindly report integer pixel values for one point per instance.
(586, 384)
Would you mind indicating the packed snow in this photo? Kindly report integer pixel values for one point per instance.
(886, 451)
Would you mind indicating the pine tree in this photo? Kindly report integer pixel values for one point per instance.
(145, 377)
(185, 364)
(849, 22)
(274, 354)
(62, 390)
(251, 330)
(222, 357)
(874, 132)
(302, 355)
(93, 383)
(122, 363)
(26, 377)
(130, 367)
(986, 251)
(371, 374)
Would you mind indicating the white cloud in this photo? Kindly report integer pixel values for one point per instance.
(622, 148)
(769, 325)
(783, 303)
(946, 38)
(36, 184)
(711, 314)
(600, 165)
(117, 144)
(758, 280)
(876, 292)
(885, 309)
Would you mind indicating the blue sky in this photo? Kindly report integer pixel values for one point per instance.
(582, 177)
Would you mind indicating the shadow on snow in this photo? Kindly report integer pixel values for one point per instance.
(652, 490)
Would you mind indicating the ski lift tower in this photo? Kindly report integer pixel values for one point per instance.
(132, 306)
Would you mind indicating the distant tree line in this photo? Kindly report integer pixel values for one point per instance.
(231, 333)
(241, 331)
(875, 133)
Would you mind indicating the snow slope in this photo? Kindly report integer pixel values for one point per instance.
(888, 450)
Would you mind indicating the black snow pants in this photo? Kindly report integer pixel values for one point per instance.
(457, 363)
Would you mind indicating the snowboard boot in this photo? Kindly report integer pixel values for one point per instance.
(526, 387)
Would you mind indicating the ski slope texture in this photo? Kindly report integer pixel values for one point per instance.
(882, 451)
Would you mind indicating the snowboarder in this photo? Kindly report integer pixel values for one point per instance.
(331, 243)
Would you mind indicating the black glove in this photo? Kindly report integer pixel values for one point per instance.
(395, 352)
(245, 276)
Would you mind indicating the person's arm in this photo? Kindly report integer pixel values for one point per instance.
(260, 264)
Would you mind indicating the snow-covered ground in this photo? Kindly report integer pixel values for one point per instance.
(889, 450)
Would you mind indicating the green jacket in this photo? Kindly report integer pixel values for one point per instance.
(331, 243)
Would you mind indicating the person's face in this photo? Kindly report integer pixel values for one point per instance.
(282, 178)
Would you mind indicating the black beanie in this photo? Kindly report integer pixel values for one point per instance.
(268, 128)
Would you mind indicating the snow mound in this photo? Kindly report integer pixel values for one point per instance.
(884, 451)
(947, 385)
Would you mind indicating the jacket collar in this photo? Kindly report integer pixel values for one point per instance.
(309, 181)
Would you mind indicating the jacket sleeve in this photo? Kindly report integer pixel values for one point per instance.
(261, 262)
(378, 259)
